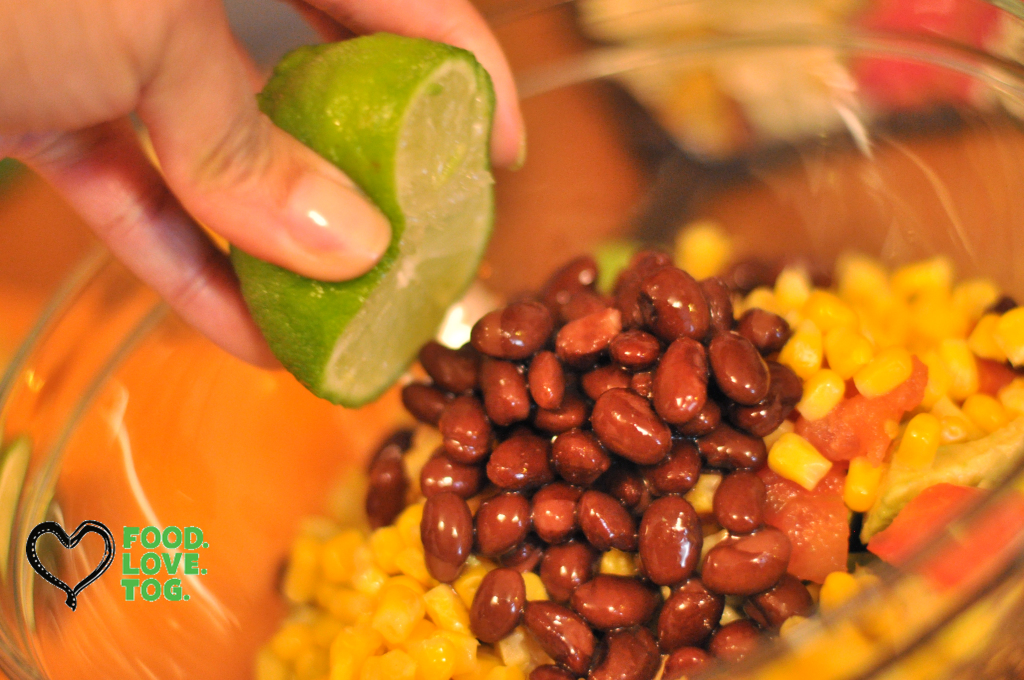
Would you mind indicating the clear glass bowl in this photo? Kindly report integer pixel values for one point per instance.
(130, 418)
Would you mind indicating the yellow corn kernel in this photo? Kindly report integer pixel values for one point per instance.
(535, 589)
(761, 298)
(325, 592)
(961, 366)
(346, 605)
(369, 581)
(859, 277)
(410, 561)
(336, 557)
(729, 614)
(702, 494)
(408, 524)
(300, 581)
(861, 487)
(847, 351)
(888, 370)
(828, 311)
(312, 664)
(955, 425)
(325, 629)
(934, 275)
(446, 609)
(933, 318)
(793, 317)
(1012, 397)
(1010, 335)
(796, 459)
(955, 430)
(889, 327)
(703, 249)
(786, 629)
(838, 587)
(974, 296)
(938, 378)
(986, 412)
(920, 441)
(464, 648)
(485, 663)
(368, 578)
(350, 649)
(513, 648)
(434, 657)
(822, 392)
(291, 639)
(385, 543)
(520, 649)
(468, 581)
(506, 673)
(776, 434)
(982, 340)
(803, 351)
(792, 288)
(403, 580)
(618, 563)
(399, 609)
(422, 631)
(269, 667)
(395, 665)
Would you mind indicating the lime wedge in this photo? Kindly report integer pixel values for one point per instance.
(409, 121)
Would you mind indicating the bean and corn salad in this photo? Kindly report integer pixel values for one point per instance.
(647, 481)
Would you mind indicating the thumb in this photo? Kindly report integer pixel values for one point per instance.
(240, 175)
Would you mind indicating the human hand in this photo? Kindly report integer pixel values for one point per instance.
(71, 73)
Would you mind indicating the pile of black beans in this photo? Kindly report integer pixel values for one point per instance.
(581, 420)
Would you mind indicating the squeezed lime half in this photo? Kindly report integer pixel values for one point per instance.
(409, 121)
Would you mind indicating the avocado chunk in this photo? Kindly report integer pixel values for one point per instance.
(982, 463)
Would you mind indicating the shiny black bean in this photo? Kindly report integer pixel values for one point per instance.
(689, 616)
(454, 370)
(502, 523)
(733, 450)
(629, 654)
(766, 331)
(740, 372)
(562, 634)
(425, 402)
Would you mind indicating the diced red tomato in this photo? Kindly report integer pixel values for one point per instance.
(904, 83)
(985, 548)
(993, 376)
(994, 538)
(920, 520)
(857, 426)
(814, 521)
(969, 22)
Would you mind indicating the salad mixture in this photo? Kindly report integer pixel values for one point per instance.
(647, 478)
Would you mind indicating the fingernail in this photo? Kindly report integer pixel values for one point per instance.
(342, 233)
(520, 160)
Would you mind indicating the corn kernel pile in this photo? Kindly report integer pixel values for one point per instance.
(866, 331)
(366, 608)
